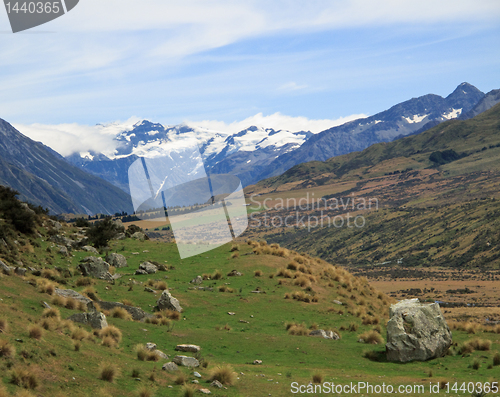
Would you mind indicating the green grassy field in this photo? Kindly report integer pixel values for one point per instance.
(257, 330)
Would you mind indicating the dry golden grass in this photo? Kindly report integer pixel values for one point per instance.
(224, 374)
(297, 329)
(258, 273)
(108, 341)
(108, 372)
(120, 312)
(6, 349)
(145, 391)
(79, 334)
(234, 247)
(84, 282)
(71, 304)
(59, 300)
(302, 281)
(181, 379)
(235, 255)
(317, 378)
(45, 286)
(112, 332)
(35, 331)
(474, 344)
(49, 324)
(24, 378)
(51, 313)
(372, 337)
(4, 326)
(161, 285)
(91, 293)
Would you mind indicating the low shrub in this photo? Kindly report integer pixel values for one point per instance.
(317, 378)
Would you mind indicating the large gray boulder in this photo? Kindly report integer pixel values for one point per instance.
(186, 361)
(136, 312)
(89, 248)
(96, 320)
(416, 332)
(5, 269)
(116, 260)
(93, 266)
(69, 293)
(148, 267)
(168, 302)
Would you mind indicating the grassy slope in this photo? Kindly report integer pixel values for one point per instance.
(286, 358)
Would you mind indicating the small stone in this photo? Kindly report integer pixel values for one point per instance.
(197, 374)
(216, 383)
(170, 367)
(204, 391)
(195, 381)
(188, 348)
(257, 362)
(231, 313)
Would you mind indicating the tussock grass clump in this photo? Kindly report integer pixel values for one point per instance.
(77, 345)
(263, 243)
(292, 265)
(216, 275)
(71, 304)
(282, 272)
(302, 281)
(475, 344)
(45, 286)
(258, 273)
(144, 354)
(108, 372)
(372, 337)
(111, 331)
(181, 379)
(496, 359)
(35, 331)
(79, 334)
(59, 300)
(24, 378)
(48, 324)
(224, 374)
(317, 378)
(6, 349)
(91, 293)
(120, 312)
(4, 326)
(476, 364)
(161, 285)
(51, 313)
(127, 302)
(3, 391)
(234, 247)
(84, 282)
(108, 341)
(235, 255)
(50, 274)
(145, 391)
(370, 320)
(298, 329)
(188, 390)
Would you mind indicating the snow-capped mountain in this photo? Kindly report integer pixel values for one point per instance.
(257, 153)
(241, 154)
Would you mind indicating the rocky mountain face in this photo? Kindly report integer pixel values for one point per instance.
(413, 116)
(242, 154)
(45, 178)
(258, 153)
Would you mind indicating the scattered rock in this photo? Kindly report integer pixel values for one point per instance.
(148, 267)
(337, 302)
(69, 293)
(216, 383)
(147, 289)
(20, 271)
(197, 280)
(96, 320)
(6, 269)
(116, 260)
(63, 250)
(186, 361)
(416, 332)
(324, 334)
(257, 362)
(95, 267)
(136, 312)
(151, 346)
(45, 305)
(231, 313)
(138, 236)
(61, 240)
(89, 248)
(234, 273)
(140, 272)
(205, 391)
(244, 321)
(196, 374)
(195, 381)
(188, 348)
(120, 236)
(170, 367)
(168, 302)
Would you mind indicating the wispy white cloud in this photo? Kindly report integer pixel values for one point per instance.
(70, 138)
(276, 121)
(292, 86)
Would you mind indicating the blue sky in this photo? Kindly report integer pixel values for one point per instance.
(220, 63)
